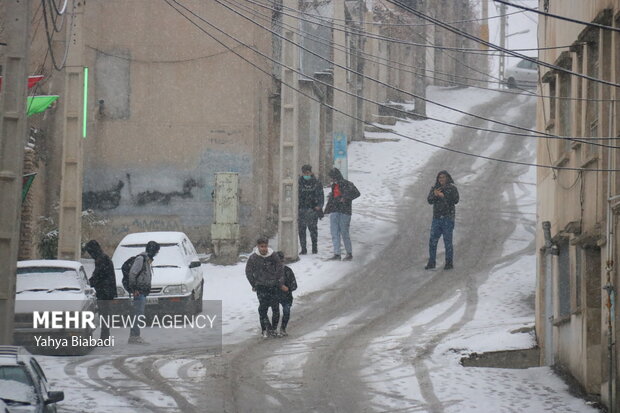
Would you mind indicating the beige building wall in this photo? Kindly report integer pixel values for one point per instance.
(575, 201)
(170, 107)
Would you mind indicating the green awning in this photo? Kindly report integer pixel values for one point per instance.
(38, 104)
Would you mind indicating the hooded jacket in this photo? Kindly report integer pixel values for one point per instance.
(444, 206)
(348, 192)
(310, 193)
(264, 270)
(141, 274)
(103, 279)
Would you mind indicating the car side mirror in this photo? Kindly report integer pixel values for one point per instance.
(55, 397)
(195, 264)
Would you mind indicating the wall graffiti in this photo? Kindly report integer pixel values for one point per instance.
(103, 200)
(164, 198)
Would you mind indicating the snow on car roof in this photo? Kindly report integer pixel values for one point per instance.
(159, 237)
(49, 263)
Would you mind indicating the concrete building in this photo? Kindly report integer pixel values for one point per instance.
(576, 309)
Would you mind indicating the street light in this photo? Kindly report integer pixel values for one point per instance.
(515, 33)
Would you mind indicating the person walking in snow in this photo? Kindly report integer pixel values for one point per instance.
(265, 274)
(286, 297)
(103, 281)
(139, 282)
(339, 206)
(310, 207)
(443, 196)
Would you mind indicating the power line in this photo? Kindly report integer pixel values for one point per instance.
(334, 27)
(402, 67)
(507, 51)
(418, 24)
(364, 33)
(556, 16)
(50, 36)
(352, 116)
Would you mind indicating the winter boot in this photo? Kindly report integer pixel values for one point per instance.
(336, 257)
(349, 257)
(315, 250)
(430, 266)
(448, 266)
(304, 251)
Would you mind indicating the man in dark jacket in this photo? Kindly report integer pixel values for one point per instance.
(103, 281)
(265, 274)
(140, 276)
(286, 298)
(310, 207)
(443, 196)
(339, 205)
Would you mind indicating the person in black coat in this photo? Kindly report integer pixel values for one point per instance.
(286, 297)
(103, 281)
(310, 207)
(339, 205)
(265, 274)
(443, 196)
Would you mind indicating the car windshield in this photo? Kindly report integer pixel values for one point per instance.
(169, 255)
(47, 279)
(16, 385)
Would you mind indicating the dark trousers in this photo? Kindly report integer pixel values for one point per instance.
(286, 312)
(308, 218)
(105, 311)
(268, 297)
(441, 227)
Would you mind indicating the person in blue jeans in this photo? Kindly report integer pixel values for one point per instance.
(140, 276)
(339, 206)
(443, 196)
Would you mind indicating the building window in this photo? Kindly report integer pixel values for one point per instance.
(564, 111)
(592, 95)
(563, 287)
(579, 276)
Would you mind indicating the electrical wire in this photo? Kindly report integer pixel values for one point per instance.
(556, 16)
(340, 111)
(507, 51)
(543, 135)
(361, 32)
(49, 38)
(428, 24)
(424, 38)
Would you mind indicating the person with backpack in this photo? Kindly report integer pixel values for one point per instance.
(286, 297)
(310, 207)
(339, 205)
(103, 281)
(265, 274)
(138, 285)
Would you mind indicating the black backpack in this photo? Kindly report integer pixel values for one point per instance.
(125, 268)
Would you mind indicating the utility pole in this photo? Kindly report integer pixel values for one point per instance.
(340, 121)
(70, 219)
(502, 40)
(484, 25)
(12, 140)
(420, 79)
(289, 137)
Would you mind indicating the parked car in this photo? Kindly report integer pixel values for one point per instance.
(23, 385)
(523, 75)
(177, 282)
(51, 285)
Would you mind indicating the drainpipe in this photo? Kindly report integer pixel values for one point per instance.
(609, 267)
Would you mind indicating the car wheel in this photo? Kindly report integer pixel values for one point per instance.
(511, 83)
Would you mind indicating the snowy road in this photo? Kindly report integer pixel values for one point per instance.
(380, 333)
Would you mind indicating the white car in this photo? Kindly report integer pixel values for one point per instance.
(523, 75)
(177, 282)
(23, 385)
(51, 285)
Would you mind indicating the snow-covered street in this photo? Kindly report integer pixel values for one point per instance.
(379, 333)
